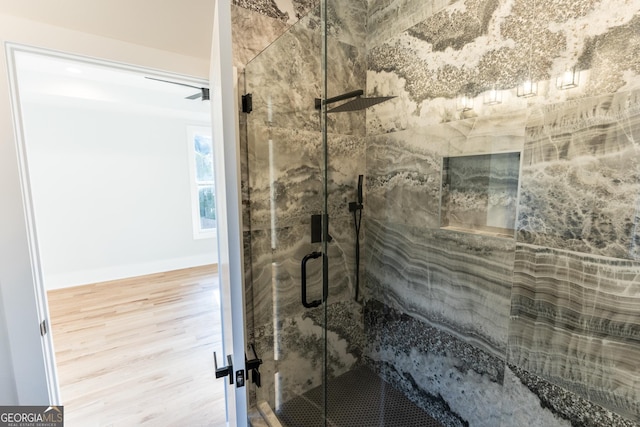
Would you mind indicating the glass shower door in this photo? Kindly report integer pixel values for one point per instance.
(304, 164)
(285, 162)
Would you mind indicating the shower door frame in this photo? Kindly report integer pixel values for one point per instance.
(225, 128)
(325, 202)
(266, 158)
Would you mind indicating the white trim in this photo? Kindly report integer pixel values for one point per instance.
(42, 306)
(224, 126)
(151, 72)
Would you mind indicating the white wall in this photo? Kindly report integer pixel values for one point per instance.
(19, 309)
(111, 193)
(7, 390)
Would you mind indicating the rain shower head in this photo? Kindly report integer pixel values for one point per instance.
(359, 103)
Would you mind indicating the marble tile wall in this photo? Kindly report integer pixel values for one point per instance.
(540, 329)
(581, 176)
(555, 305)
(458, 281)
(574, 322)
(451, 53)
(252, 32)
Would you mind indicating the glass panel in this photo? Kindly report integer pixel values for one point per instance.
(207, 205)
(285, 188)
(204, 157)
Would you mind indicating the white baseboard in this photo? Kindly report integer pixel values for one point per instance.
(116, 272)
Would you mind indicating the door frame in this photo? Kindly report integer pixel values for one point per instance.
(41, 300)
(225, 128)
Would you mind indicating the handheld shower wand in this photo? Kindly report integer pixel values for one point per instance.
(356, 208)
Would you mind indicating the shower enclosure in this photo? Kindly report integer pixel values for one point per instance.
(497, 274)
(305, 152)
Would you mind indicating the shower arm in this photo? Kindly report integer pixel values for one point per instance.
(319, 102)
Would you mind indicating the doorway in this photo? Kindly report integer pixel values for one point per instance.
(108, 160)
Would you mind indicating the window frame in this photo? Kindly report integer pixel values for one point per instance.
(195, 185)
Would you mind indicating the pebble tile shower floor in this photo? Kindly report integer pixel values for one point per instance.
(357, 398)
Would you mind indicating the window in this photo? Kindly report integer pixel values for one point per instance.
(201, 176)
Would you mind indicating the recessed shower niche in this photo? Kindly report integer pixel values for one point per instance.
(480, 193)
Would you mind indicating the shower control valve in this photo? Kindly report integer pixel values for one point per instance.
(355, 206)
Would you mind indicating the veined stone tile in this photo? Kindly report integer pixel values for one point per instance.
(455, 382)
(252, 33)
(405, 168)
(386, 117)
(390, 17)
(597, 127)
(533, 401)
(458, 281)
(346, 160)
(284, 80)
(244, 177)
(497, 133)
(276, 269)
(525, 405)
(285, 176)
(260, 298)
(248, 284)
(461, 385)
(287, 171)
(345, 319)
(294, 351)
(404, 174)
(431, 67)
(287, 11)
(572, 313)
(287, 77)
(293, 245)
(608, 55)
(263, 7)
(574, 322)
(347, 21)
(581, 177)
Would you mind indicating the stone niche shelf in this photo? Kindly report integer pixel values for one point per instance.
(480, 193)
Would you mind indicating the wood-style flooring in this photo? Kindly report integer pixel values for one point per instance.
(139, 351)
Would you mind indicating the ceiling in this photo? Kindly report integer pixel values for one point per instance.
(76, 83)
(181, 26)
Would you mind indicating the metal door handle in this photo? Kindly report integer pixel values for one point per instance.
(315, 303)
(225, 370)
(253, 365)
